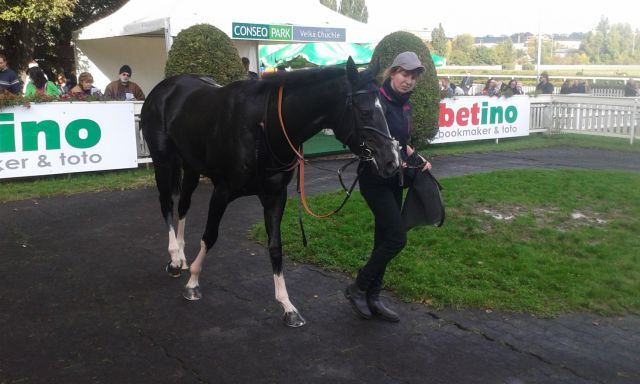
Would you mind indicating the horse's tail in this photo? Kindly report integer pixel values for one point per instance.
(167, 163)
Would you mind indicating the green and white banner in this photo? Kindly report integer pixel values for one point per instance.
(286, 32)
(52, 138)
(470, 118)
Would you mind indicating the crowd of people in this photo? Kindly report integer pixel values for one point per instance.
(65, 84)
(497, 88)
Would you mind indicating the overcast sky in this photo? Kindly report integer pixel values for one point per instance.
(480, 18)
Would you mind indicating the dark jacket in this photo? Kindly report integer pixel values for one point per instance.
(398, 113)
(544, 88)
(9, 81)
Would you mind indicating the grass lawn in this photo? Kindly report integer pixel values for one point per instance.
(533, 141)
(541, 241)
(36, 187)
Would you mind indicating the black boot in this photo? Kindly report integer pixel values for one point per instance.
(358, 300)
(376, 306)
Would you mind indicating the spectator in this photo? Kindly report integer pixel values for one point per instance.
(85, 87)
(491, 88)
(61, 83)
(544, 86)
(446, 88)
(567, 87)
(466, 84)
(250, 74)
(631, 89)
(9, 81)
(72, 79)
(39, 85)
(582, 86)
(32, 64)
(512, 89)
(123, 88)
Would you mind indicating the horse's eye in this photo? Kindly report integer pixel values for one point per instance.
(367, 114)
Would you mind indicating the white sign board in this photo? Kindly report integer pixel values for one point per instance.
(482, 117)
(52, 138)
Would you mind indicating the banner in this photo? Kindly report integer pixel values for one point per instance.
(286, 32)
(52, 138)
(481, 117)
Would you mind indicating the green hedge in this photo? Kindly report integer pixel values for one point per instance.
(204, 49)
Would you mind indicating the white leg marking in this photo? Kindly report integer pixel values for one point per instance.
(281, 293)
(196, 266)
(180, 240)
(174, 248)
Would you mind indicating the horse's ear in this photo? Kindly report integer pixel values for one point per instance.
(375, 67)
(352, 71)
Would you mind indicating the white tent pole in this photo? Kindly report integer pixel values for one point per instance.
(168, 39)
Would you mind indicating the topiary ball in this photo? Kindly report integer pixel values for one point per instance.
(204, 49)
(426, 96)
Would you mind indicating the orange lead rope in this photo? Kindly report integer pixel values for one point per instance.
(300, 153)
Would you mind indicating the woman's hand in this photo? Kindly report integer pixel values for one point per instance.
(427, 164)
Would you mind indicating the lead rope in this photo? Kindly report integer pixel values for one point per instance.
(302, 200)
(301, 162)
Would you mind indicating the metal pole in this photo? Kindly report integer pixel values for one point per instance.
(539, 51)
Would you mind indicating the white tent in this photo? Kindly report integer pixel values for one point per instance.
(141, 32)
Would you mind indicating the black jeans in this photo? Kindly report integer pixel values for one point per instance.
(384, 197)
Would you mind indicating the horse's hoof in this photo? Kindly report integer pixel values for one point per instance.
(294, 319)
(173, 271)
(192, 293)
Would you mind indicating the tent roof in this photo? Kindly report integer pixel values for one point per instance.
(151, 17)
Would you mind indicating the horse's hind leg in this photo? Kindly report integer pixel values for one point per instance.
(190, 181)
(273, 211)
(217, 206)
(167, 174)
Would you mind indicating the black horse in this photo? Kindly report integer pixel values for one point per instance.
(244, 137)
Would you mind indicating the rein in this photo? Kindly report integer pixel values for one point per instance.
(301, 162)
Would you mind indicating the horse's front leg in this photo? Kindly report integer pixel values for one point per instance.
(273, 211)
(217, 206)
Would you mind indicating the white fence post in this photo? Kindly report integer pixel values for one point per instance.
(634, 121)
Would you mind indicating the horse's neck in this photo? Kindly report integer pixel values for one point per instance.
(311, 112)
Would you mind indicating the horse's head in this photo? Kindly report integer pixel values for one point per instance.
(364, 128)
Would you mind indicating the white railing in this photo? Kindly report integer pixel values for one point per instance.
(586, 114)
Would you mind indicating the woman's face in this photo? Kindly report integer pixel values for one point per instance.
(61, 80)
(403, 81)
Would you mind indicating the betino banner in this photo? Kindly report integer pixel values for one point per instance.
(482, 117)
(53, 138)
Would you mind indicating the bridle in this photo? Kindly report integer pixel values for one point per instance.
(365, 155)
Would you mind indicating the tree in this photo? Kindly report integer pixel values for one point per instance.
(462, 50)
(331, 4)
(20, 22)
(504, 52)
(439, 41)
(42, 30)
(355, 9)
(610, 44)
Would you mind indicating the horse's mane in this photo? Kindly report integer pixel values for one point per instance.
(303, 77)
